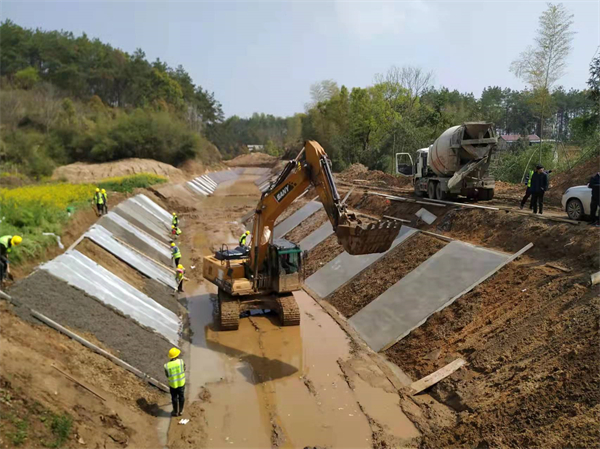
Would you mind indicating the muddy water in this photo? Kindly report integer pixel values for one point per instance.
(284, 387)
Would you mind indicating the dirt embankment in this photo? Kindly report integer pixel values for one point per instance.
(322, 254)
(384, 273)
(34, 394)
(359, 174)
(253, 160)
(82, 172)
(309, 225)
(530, 337)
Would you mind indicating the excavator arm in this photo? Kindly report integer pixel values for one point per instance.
(311, 167)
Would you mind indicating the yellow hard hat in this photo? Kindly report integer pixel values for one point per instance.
(103, 191)
(180, 266)
(174, 213)
(174, 352)
(172, 243)
(97, 190)
(173, 227)
(16, 240)
(247, 232)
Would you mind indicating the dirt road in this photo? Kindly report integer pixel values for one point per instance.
(264, 385)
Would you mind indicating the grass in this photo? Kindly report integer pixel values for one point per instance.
(61, 426)
(128, 183)
(30, 211)
(20, 434)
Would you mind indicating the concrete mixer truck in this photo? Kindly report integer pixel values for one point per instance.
(456, 164)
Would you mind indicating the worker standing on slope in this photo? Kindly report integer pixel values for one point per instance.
(7, 242)
(175, 372)
(528, 190)
(245, 239)
(179, 274)
(99, 201)
(175, 220)
(175, 253)
(175, 232)
(539, 185)
(594, 184)
(105, 198)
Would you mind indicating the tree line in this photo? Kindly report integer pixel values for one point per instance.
(67, 98)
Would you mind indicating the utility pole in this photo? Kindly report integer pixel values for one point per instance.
(394, 154)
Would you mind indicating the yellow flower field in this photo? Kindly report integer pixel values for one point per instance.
(57, 196)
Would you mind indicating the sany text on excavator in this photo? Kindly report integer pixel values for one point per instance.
(265, 277)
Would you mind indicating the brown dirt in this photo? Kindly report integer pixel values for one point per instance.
(384, 273)
(82, 172)
(321, 254)
(307, 227)
(253, 160)
(32, 392)
(578, 175)
(358, 172)
(530, 337)
(69, 306)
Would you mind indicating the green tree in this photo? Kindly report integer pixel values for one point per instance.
(27, 78)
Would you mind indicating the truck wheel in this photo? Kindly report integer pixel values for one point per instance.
(485, 194)
(439, 193)
(431, 188)
(419, 192)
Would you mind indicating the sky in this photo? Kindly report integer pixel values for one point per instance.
(262, 56)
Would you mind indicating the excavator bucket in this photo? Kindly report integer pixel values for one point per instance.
(371, 238)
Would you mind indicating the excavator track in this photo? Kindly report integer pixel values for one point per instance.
(289, 312)
(229, 312)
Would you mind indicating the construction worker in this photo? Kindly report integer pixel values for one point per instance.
(105, 197)
(245, 239)
(179, 274)
(175, 232)
(7, 242)
(99, 201)
(175, 253)
(175, 220)
(175, 372)
(528, 191)
(539, 185)
(594, 184)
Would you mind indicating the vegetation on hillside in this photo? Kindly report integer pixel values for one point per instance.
(65, 99)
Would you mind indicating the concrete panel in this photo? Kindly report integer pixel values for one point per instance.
(210, 188)
(196, 189)
(159, 233)
(208, 180)
(82, 272)
(316, 237)
(204, 189)
(153, 207)
(145, 217)
(296, 218)
(105, 239)
(148, 245)
(344, 267)
(422, 292)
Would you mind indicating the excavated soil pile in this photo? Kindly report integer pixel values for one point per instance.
(578, 175)
(82, 172)
(73, 308)
(253, 160)
(358, 172)
(309, 225)
(384, 273)
(573, 245)
(154, 289)
(530, 337)
(322, 254)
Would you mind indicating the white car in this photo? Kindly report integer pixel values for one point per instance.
(577, 202)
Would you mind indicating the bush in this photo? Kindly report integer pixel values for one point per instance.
(128, 183)
(512, 165)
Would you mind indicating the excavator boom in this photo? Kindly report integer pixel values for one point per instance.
(312, 167)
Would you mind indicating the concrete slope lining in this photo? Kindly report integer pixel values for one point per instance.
(345, 266)
(125, 211)
(105, 239)
(422, 292)
(195, 188)
(296, 218)
(205, 190)
(143, 215)
(152, 207)
(131, 235)
(208, 180)
(82, 272)
(205, 185)
(316, 237)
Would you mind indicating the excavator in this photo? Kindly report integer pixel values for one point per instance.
(266, 276)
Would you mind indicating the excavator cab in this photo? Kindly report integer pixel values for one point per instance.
(285, 265)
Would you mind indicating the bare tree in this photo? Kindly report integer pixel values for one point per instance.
(543, 63)
(414, 80)
(321, 91)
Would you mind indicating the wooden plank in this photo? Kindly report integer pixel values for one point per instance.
(558, 267)
(434, 378)
(470, 287)
(68, 376)
(102, 352)
(439, 236)
(396, 219)
(595, 278)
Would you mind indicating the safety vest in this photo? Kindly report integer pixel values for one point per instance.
(175, 220)
(105, 197)
(176, 253)
(176, 230)
(530, 176)
(179, 275)
(243, 239)
(175, 373)
(5, 241)
(99, 198)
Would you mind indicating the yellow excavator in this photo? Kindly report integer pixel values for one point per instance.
(265, 276)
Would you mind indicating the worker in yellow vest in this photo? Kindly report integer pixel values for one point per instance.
(528, 190)
(7, 243)
(179, 274)
(175, 372)
(99, 201)
(175, 253)
(245, 239)
(105, 197)
(175, 220)
(175, 232)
